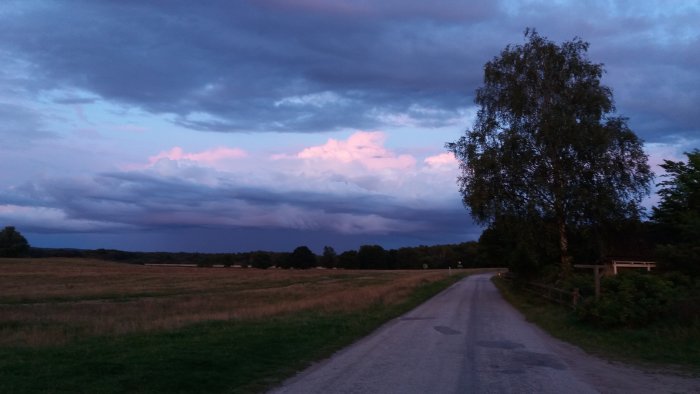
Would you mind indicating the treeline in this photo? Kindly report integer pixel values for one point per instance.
(465, 255)
(258, 259)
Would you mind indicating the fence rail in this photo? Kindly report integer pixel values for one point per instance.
(632, 264)
(560, 296)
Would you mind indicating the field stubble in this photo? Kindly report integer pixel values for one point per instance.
(47, 302)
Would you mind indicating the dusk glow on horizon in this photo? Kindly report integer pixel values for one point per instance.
(265, 125)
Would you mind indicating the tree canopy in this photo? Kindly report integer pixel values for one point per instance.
(372, 257)
(546, 147)
(260, 260)
(12, 243)
(678, 215)
(329, 259)
(301, 257)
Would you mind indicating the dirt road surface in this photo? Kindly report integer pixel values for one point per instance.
(468, 339)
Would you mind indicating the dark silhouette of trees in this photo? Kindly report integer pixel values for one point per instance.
(261, 260)
(546, 148)
(372, 257)
(677, 218)
(329, 259)
(348, 259)
(302, 257)
(526, 246)
(12, 243)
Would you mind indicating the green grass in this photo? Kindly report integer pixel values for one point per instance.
(669, 343)
(209, 357)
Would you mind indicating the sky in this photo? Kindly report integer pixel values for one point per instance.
(229, 126)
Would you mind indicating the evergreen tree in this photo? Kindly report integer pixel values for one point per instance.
(677, 217)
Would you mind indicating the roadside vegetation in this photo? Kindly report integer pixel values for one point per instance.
(672, 341)
(642, 316)
(75, 325)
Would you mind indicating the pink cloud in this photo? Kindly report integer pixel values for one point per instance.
(366, 148)
(207, 156)
(446, 159)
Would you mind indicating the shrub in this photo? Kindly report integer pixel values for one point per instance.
(685, 307)
(261, 260)
(629, 300)
(584, 282)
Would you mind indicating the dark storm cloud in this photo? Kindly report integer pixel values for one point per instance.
(20, 125)
(316, 65)
(244, 240)
(661, 98)
(255, 65)
(152, 203)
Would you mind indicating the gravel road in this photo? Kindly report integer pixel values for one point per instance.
(468, 339)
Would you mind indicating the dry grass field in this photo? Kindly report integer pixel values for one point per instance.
(45, 302)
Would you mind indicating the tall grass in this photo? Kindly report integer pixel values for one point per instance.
(119, 328)
(52, 301)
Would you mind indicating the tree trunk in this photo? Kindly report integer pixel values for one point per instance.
(559, 211)
(564, 248)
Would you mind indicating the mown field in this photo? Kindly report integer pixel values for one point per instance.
(75, 325)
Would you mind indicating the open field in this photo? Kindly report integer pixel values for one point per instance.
(52, 301)
(94, 326)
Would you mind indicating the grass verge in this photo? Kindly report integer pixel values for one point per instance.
(669, 343)
(207, 357)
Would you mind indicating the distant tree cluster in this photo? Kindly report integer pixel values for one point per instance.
(376, 257)
(12, 243)
(366, 257)
(433, 257)
(329, 259)
(301, 258)
(256, 259)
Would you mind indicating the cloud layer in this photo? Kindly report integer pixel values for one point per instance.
(319, 66)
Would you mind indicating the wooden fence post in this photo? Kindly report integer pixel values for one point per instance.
(597, 273)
